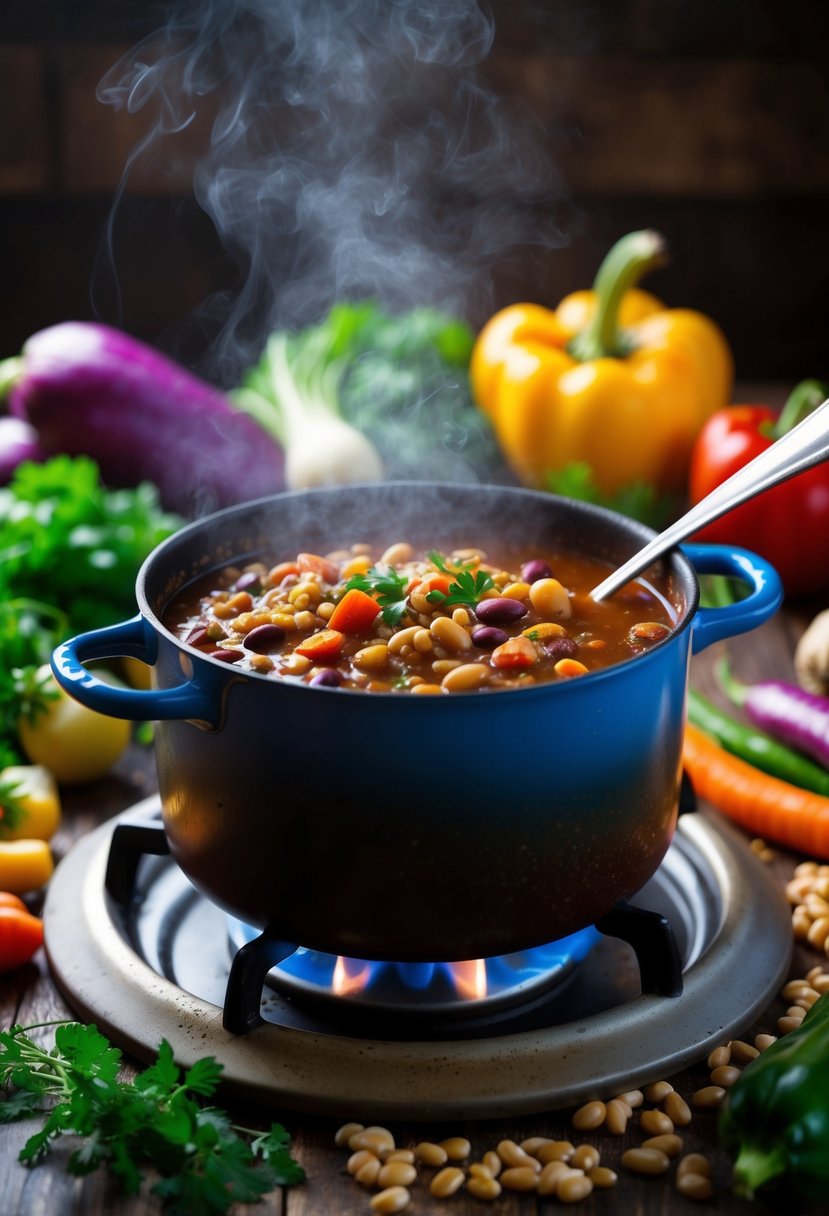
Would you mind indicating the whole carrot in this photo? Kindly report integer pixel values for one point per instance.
(764, 805)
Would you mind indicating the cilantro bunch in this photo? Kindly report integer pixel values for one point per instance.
(157, 1121)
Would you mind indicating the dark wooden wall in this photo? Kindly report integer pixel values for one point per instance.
(706, 119)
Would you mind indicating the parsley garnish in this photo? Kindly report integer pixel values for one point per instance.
(205, 1163)
(388, 588)
(467, 587)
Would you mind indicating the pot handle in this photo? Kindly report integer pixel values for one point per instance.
(128, 639)
(765, 597)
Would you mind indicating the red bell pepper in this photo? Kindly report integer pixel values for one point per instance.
(788, 524)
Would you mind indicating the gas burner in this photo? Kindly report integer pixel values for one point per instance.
(156, 964)
(420, 996)
(426, 993)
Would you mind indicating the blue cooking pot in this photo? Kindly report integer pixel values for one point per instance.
(387, 826)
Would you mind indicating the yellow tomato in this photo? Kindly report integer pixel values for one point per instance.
(136, 673)
(37, 793)
(76, 744)
(25, 865)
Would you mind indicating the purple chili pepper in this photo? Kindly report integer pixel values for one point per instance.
(786, 711)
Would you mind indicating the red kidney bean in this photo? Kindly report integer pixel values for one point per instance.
(560, 648)
(488, 637)
(226, 656)
(198, 637)
(500, 611)
(533, 570)
(264, 638)
(328, 678)
(249, 581)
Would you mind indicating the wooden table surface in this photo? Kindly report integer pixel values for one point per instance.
(29, 996)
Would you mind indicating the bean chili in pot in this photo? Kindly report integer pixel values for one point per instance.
(422, 623)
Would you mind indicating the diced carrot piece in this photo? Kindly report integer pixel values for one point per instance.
(355, 612)
(516, 653)
(314, 564)
(570, 667)
(438, 582)
(281, 571)
(432, 582)
(326, 644)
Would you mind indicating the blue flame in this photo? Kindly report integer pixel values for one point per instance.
(503, 973)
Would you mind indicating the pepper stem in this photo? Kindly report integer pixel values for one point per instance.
(804, 398)
(630, 258)
(755, 1166)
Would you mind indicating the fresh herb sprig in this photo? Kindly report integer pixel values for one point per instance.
(157, 1121)
(466, 588)
(389, 589)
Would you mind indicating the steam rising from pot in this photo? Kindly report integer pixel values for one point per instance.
(342, 149)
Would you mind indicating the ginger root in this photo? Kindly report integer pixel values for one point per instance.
(811, 656)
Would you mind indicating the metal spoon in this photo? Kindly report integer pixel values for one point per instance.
(804, 445)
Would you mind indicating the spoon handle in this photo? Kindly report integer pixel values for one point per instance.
(804, 445)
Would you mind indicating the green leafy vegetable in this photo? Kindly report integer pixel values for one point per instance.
(467, 587)
(70, 551)
(205, 1162)
(408, 390)
(389, 589)
(399, 381)
(638, 500)
(71, 545)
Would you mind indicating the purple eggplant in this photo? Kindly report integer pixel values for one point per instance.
(92, 390)
(18, 442)
(786, 711)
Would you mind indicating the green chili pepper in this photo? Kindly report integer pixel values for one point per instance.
(775, 1121)
(756, 747)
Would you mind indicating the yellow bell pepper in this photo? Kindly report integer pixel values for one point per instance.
(610, 378)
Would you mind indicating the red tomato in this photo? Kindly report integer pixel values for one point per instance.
(21, 934)
(787, 525)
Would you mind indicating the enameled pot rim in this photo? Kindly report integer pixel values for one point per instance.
(675, 561)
